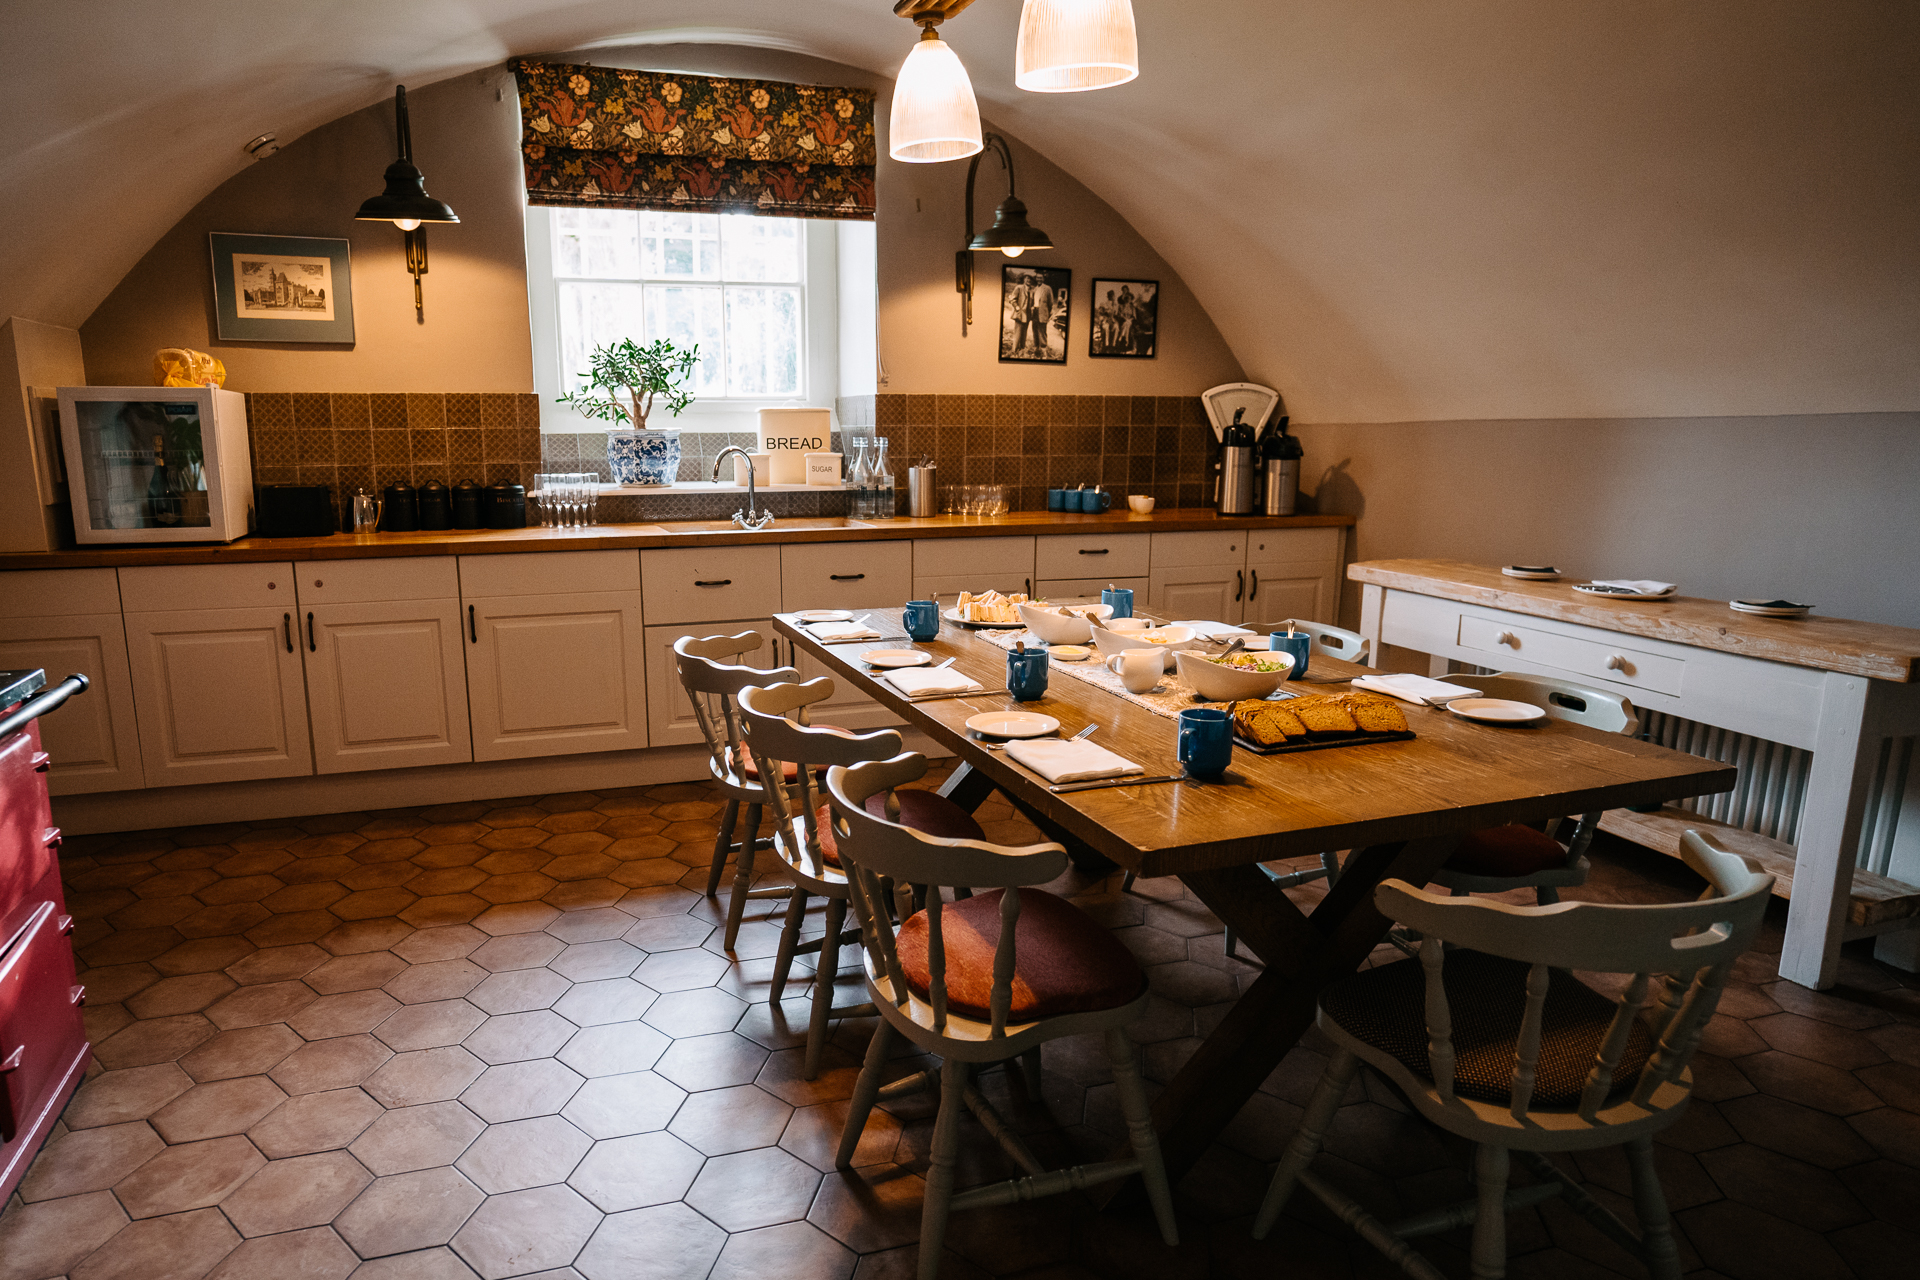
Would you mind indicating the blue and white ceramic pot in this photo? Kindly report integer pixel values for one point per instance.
(644, 457)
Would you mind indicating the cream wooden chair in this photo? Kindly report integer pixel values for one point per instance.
(1491, 1037)
(779, 741)
(1334, 642)
(981, 980)
(713, 678)
(1518, 857)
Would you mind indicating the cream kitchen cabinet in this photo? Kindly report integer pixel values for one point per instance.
(68, 621)
(217, 674)
(1250, 576)
(1199, 575)
(384, 648)
(944, 567)
(669, 711)
(1077, 565)
(869, 578)
(556, 658)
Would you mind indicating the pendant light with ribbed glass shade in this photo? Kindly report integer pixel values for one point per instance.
(934, 113)
(1068, 46)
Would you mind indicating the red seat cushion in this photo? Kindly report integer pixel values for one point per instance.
(928, 812)
(1064, 962)
(1508, 852)
(788, 769)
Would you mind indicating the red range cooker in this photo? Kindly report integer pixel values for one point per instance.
(43, 1045)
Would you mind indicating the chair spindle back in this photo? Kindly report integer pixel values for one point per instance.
(712, 683)
(774, 741)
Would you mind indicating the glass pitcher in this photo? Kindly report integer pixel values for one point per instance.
(859, 479)
(880, 486)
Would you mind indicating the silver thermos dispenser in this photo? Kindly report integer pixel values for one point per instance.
(923, 490)
(1236, 467)
(1280, 468)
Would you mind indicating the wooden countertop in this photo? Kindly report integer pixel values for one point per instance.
(680, 533)
(1868, 649)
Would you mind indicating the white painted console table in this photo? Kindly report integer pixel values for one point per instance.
(1848, 692)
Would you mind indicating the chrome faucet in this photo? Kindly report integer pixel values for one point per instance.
(750, 518)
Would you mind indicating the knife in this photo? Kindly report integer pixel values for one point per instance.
(1113, 782)
(936, 697)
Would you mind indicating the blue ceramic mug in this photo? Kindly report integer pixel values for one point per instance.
(921, 619)
(1120, 598)
(1096, 500)
(1057, 499)
(1027, 674)
(1299, 644)
(1206, 741)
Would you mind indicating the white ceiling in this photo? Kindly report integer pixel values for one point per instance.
(1393, 209)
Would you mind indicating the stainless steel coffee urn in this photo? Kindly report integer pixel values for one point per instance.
(1236, 467)
(1280, 465)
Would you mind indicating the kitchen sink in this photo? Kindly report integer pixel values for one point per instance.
(786, 524)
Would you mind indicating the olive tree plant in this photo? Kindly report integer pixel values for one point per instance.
(631, 376)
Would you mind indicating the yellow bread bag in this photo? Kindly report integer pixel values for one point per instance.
(179, 367)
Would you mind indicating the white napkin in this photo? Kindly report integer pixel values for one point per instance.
(1057, 760)
(914, 681)
(835, 631)
(1645, 585)
(1411, 688)
(1214, 630)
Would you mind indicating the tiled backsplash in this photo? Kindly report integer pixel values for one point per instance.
(1156, 445)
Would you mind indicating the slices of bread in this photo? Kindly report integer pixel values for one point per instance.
(1375, 713)
(1267, 723)
(1317, 716)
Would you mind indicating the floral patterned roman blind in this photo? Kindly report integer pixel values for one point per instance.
(603, 137)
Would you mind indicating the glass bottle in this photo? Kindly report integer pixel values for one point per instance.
(163, 505)
(859, 480)
(882, 486)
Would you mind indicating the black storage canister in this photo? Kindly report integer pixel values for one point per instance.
(436, 512)
(466, 505)
(506, 506)
(401, 509)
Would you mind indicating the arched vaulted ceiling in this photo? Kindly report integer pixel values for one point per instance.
(1393, 208)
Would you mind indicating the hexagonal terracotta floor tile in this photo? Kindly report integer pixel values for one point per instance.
(720, 1121)
(194, 1175)
(301, 1191)
(427, 1075)
(181, 1244)
(526, 1231)
(449, 942)
(667, 1240)
(315, 1122)
(519, 991)
(614, 1000)
(320, 1065)
(616, 1106)
(750, 1189)
(428, 1026)
(217, 1109)
(89, 1160)
(517, 951)
(521, 1090)
(612, 1049)
(409, 1211)
(436, 980)
(524, 1153)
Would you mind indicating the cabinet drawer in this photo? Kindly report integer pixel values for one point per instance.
(845, 575)
(1089, 589)
(47, 593)
(549, 573)
(1225, 548)
(1274, 547)
(710, 584)
(1618, 663)
(1002, 559)
(39, 1021)
(168, 588)
(1088, 555)
(948, 588)
(371, 581)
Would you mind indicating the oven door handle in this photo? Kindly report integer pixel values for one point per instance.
(46, 704)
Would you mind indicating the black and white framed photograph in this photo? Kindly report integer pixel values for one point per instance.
(1033, 313)
(1126, 317)
(282, 288)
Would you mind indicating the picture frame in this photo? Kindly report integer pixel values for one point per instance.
(1025, 337)
(1125, 319)
(281, 288)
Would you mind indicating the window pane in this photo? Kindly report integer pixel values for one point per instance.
(600, 243)
(763, 342)
(594, 315)
(761, 248)
(688, 315)
(680, 245)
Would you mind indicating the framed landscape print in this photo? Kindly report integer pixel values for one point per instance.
(1033, 313)
(1126, 317)
(282, 288)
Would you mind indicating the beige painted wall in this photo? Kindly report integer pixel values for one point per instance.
(1820, 509)
(476, 337)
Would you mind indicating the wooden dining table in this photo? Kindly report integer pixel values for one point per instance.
(1400, 806)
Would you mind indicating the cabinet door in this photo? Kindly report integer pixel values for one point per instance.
(386, 685)
(1209, 594)
(669, 711)
(93, 739)
(556, 675)
(1309, 591)
(221, 695)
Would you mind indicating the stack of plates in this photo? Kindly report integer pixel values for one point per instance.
(1771, 608)
(1532, 572)
(1621, 593)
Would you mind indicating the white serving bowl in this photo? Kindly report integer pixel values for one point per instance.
(1166, 639)
(1141, 504)
(1057, 628)
(1130, 624)
(1216, 683)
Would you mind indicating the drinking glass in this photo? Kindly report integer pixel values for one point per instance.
(592, 503)
(542, 492)
(1000, 500)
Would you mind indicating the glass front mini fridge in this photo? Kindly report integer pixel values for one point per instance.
(157, 464)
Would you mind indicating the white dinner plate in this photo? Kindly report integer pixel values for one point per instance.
(1532, 572)
(1068, 652)
(825, 615)
(953, 616)
(896, 658)
(1013, 724)
(1496, 710)
(1770, 608)
(1621, 593)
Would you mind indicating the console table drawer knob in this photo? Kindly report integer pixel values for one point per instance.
(1507, 638)
(1618, 662)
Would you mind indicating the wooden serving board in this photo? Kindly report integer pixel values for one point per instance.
(1320, 744)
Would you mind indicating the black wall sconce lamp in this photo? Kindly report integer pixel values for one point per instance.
(406, 204)
(1010, 233)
